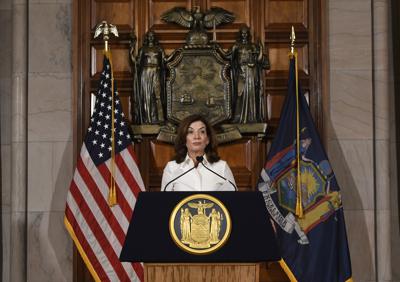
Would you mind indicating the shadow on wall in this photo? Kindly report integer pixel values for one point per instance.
(359, 220)
(59, 239)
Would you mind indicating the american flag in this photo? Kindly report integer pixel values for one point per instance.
(97, 229)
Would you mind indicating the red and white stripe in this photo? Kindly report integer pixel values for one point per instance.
(99, 228)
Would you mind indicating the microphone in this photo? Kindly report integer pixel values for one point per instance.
(200, 160)
(177, 178)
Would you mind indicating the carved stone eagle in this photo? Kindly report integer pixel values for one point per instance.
(198, 21)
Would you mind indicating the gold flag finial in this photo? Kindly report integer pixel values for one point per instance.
(292, 40)
(106, 29)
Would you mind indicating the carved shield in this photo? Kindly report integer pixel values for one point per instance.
(199, 81)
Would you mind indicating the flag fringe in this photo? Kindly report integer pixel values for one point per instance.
(290, 275)
(80, 250)
(287, 271)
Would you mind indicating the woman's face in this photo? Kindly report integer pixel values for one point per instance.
(196, 138)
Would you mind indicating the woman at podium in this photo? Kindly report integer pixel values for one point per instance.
(196, 165)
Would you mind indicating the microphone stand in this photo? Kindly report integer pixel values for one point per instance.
(200, 160)
(177, 178)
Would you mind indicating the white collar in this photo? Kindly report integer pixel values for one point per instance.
(189, 162)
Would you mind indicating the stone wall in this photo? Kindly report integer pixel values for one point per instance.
(36, 82)
(359, 136)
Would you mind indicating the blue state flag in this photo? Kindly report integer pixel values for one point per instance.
(313, 242)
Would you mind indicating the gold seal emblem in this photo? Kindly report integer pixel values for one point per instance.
(200, 224)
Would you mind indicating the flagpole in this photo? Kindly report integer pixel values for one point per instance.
(293, 54)
(112, 197)
(107, 29)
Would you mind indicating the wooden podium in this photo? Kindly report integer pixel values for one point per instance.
(251, 241)
(200, 272)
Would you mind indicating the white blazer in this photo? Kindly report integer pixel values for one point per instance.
(198, 179)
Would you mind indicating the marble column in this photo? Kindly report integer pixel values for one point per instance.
(350, 126)
(5, 126)
(358, 123)
(382, 91)
(391, 203)
(19, 142)
(49, 247)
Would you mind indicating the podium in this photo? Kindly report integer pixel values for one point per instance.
(251, 240)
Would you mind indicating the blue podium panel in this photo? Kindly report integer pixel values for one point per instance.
(251, 239)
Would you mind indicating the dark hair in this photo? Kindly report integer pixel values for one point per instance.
(180, 141)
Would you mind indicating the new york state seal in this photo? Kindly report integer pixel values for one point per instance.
(200, 224)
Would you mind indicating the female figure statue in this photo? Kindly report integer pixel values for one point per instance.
(185, 225)
(149, 82)
(215, 226)
(248, 62)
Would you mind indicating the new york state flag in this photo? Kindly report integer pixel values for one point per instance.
(313, 244)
